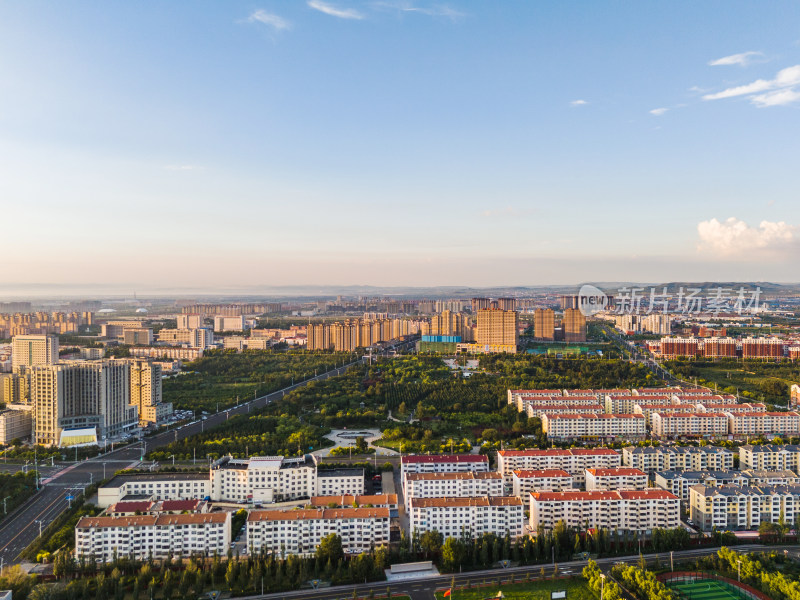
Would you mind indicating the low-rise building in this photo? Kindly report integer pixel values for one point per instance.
(742, 508)
(154, 486)
(443, 463)
(594, 427)
(619, 478)
(525, 481)
(625, 404)
(574, 461)
(691, 425)
(637, 511)
(680, 482)
(15, 424)
(300, 532)
(349, 501)
(535, 409)
(439, 485)
(671, 458)
(158, 536)
(468, 517)
(770, 457)
(764, 423)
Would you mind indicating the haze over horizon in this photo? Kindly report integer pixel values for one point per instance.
(397, 143)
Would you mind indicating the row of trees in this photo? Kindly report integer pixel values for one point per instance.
(770, 573)
(640, 582)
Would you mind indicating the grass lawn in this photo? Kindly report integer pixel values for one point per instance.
(536, 590)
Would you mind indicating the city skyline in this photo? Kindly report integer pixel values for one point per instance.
(397, 143)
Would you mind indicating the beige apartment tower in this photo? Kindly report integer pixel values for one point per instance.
(574, 325)
(544, 324)
(145, 377)
(33, 350)
(497, 328)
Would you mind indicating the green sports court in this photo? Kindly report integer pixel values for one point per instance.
(706, 589)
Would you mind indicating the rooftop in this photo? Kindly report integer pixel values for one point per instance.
(534, 473)
(453, 476)
(445, 458)
(318, 513)
(447, 502)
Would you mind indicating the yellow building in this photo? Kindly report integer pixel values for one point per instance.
(498, 328)
(574, 325)
(544, 324)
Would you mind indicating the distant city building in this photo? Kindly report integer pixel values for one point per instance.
(146, 394)
(194, 338)
(33, 350)
(190, 321)
(228, 323)
(142, 336)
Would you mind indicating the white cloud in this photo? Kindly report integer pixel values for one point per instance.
(780, 89)
(329, 9)
(578, 103)
(265, 18)
(743, 59)
(658, 111)
(733, 237)
(437, 10)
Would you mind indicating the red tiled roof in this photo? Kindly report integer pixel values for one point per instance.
(445, 458)
(533, 473)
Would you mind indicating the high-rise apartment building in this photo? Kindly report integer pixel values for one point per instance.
(33, 350)
(507, 303)
(145, 394)
(498, 328)
(544, 324)
(480, 304)
(81, 395)
(574, 325)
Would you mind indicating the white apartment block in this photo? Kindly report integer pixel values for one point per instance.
(770, 457)
(468, 517)
(624, 405)
(436, 485)
(707, 400)
(194, 338)
(574, 461)
(619, 478)
(764, 423)
(226, 323)
(670, 458)
(737, 508)
(190, 321)
(695, 424)
(770, 478)
(162, 352)
(535, 409)
(157, 536)
(680, 482)
(268, 479)
(444, 463)
(594, 427)
(664, 409)
(33, 350)
(82, 395)
(17, 424)
(732, 408)
(523, 481)
(637, 511)
(299, 532)
(155, 486)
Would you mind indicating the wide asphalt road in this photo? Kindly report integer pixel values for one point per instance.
(21, 527)
(424, 588)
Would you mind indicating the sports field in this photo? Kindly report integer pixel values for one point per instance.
(705, 589)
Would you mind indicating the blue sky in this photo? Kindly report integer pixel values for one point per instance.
(399, 142)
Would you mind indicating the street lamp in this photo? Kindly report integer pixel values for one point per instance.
(173, 459)
(739, 568)
(5, 512)
(602, 584)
